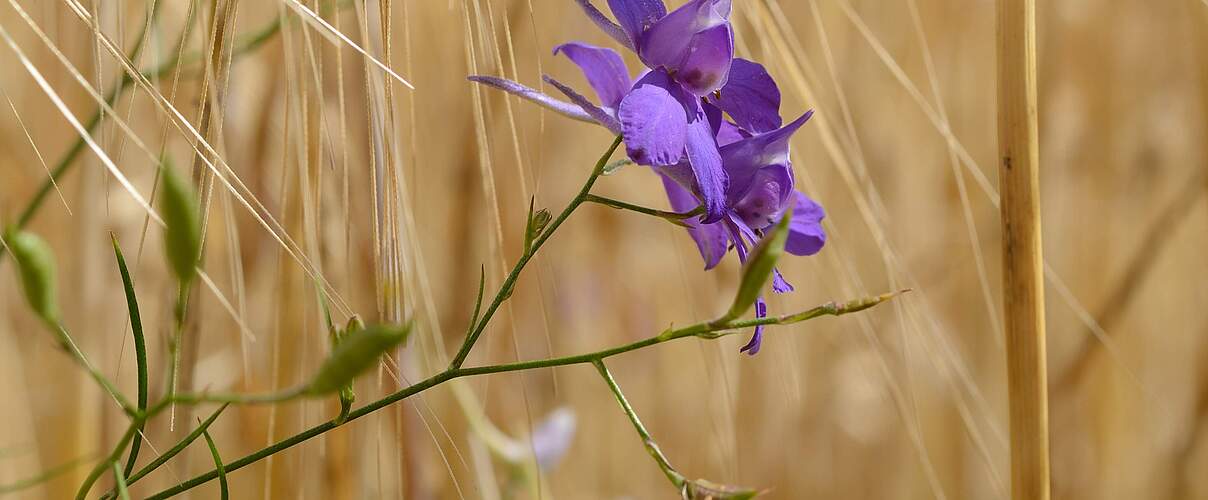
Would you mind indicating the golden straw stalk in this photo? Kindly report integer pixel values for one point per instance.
(1023, 279)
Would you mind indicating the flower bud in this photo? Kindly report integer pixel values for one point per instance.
(356, 353)
(182, 220)
(759, 267)
(36, 265)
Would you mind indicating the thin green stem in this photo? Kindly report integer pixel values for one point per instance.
(505, 290)
(177, 448)
(119, 482)
(676, 218)
(652, 447)
(70, 346)
(709, 330)
(109, 461)
(42, 477)
(178, 329)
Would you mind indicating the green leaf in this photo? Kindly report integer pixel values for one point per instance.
(140, 350)
(356, 353)
(222, 478)
(759, 267)
(36, 266)
(182, 220)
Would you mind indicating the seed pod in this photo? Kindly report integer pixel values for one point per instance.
(182, 218)
(36, 264)
(759, 267)
(356, 353)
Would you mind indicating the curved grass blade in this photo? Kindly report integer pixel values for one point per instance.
(140, 351)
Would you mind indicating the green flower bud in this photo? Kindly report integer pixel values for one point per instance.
(759, 267)
(182, 218)
(36, 265)
(357, 352)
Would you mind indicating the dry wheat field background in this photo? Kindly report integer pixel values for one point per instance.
(328, 169)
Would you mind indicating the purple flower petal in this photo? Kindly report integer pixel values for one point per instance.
(610, 28)
(707, 65)
(761, 311)
(711, 179)
(806, 236)
(729, 133)
(563, 108)
(750, 97)
(599, 115)
(711, 239)
(744, 158)
(553, 436)
(654, 126)
(741, 235)
(766, 197)
(779, 284)
(695, 42)
(637, 16)
(604, 69)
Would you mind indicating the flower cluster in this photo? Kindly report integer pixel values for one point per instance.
(706, 122)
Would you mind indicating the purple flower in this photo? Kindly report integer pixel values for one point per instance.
(761, 189)
(707, 122)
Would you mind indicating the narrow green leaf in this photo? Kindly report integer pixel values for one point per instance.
(356, 353)
(182, 218)
(36, 265)
(222, 479)
(140, 350)
(759, 267)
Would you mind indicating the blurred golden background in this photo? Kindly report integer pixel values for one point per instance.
(395, 197)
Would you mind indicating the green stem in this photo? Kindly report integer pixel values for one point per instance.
(119, 482)
(41, 477)
(109, 461)
(178, 329)
(676, 218)
(505, 290)
(177, 448)
(652, 447)
(70, 346)
(712, 329)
